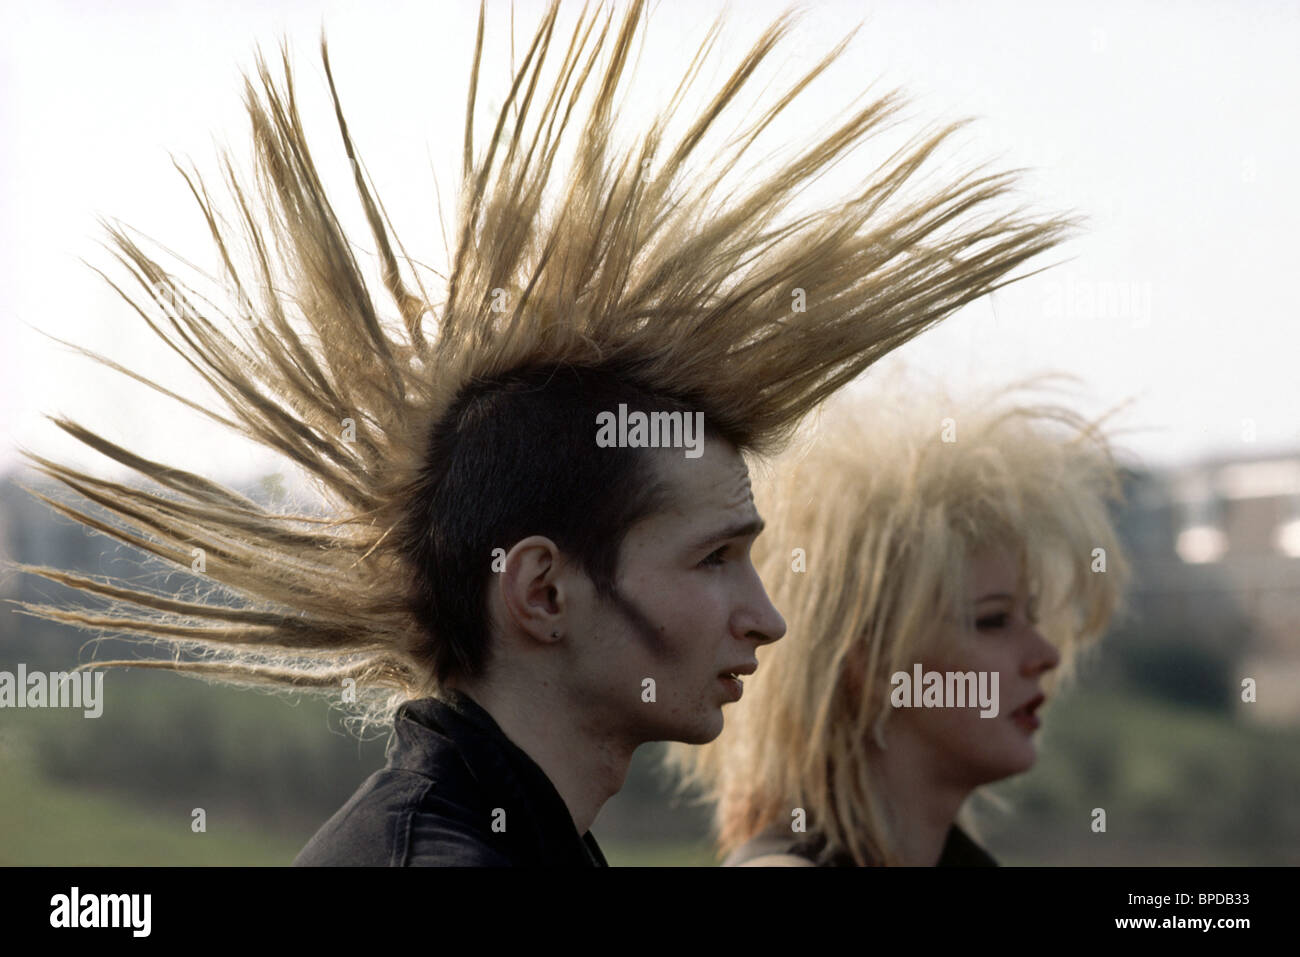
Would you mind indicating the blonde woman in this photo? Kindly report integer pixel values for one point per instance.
(938, 568)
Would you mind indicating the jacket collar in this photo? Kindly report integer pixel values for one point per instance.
(538, 826)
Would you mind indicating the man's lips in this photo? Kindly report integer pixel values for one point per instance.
(731, 678)
(748, 668)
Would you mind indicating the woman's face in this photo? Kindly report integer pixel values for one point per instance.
(964, 748)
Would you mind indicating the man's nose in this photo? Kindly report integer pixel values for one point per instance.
(762, 622)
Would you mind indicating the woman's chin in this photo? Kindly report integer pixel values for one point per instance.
(1009, 765)
(1022, 763)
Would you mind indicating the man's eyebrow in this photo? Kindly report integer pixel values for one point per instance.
(736, 530)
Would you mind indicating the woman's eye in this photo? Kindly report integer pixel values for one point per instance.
(989, 622)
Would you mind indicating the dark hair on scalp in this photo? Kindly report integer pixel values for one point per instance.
(517, 457)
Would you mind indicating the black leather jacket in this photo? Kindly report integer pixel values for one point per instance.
(455, 792)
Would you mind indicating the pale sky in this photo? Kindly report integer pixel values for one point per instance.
(1173, 127)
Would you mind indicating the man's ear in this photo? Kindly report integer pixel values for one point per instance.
(534, 590)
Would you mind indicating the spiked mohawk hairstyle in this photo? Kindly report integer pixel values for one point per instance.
(677, 286)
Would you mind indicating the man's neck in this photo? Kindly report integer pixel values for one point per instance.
(586, 766)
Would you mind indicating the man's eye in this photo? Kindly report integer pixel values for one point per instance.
(716, 558)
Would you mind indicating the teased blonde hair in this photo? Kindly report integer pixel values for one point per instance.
(683, 274)
(888, 503)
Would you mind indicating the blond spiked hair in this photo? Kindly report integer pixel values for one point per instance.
(888, 503)
(683, 283)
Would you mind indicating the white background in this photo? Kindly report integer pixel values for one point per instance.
(1172, 126)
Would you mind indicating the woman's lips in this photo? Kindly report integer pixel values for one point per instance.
(1024, 715)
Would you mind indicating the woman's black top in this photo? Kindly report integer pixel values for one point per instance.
(958, 850)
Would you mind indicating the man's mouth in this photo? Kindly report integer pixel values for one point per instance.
(731, 679)
(748, 668)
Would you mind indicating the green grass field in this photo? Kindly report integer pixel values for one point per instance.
(45, 823)
(1179, 786)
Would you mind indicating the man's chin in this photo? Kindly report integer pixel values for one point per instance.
(701, 733)
(704, 734)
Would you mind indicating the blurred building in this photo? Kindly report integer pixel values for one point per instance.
(1219, 542)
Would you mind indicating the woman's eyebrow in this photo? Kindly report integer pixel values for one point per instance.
(736, 530)
(994, 595)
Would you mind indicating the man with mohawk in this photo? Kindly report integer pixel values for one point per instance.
(527, 604)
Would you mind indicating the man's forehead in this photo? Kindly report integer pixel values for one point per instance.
(715, 484)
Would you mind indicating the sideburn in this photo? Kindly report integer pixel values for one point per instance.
(643, 627)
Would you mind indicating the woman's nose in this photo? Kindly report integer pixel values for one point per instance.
(1043, 655)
